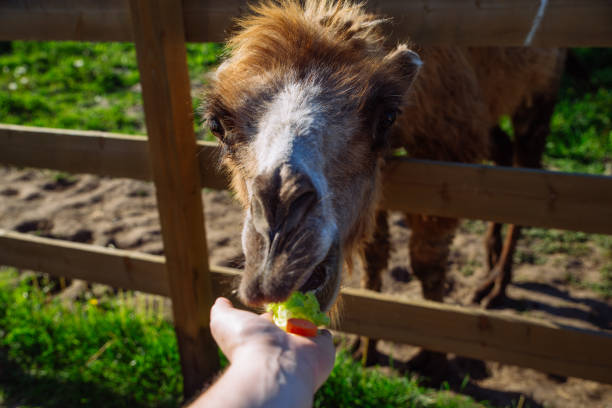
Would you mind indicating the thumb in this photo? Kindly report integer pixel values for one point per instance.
(220, 314)
(220, 306)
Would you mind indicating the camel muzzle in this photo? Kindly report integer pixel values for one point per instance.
(281, 200)
(290, 244)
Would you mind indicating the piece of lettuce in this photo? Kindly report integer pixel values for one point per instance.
(298, 306)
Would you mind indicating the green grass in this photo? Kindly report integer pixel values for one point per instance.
(80, 85)
(604, 287)
(101, 353)
(473, 226)
(349, 385)
(470, 266)
(527, 256)
(580, 137)
(581, 133)
(542, 241)
(63, 178)
(550, 241)
(71, 85)
(581, 127)
(94, 355)
(539, 242)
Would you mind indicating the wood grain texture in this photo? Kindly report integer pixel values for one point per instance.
(479, 334)
(75, 151)
(521, 196)
(432, 22)
(101, 153)
(472, 333)
(162, 60)
(118, 268)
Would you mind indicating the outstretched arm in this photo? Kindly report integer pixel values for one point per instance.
(269, 368)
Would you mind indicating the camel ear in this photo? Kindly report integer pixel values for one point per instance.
(405, 63)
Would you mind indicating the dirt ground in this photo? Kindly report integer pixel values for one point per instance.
(122, 213)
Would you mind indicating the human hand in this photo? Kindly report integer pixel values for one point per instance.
(253, 340)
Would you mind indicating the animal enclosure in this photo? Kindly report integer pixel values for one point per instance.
(524, 197)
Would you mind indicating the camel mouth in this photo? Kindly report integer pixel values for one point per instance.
(324, 279)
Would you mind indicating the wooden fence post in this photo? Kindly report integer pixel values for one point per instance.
(160, 45)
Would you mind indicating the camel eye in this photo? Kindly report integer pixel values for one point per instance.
(382, 127)
(388, 118)
(216, 128)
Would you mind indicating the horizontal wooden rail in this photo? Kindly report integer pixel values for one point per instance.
(460, 22)
(530, 197)
(468, 332)
(521, 196)
(101, 153)
(115, 267)
(121, 269)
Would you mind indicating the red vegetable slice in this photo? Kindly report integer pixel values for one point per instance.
(302, 327)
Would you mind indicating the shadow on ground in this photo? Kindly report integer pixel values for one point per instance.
(599, 313)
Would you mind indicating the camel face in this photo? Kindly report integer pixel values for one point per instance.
(290, 236)
(303, 115)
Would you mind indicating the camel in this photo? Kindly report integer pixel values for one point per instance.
(309, 103)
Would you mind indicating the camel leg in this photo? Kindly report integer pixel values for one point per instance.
(493, 244)
(531, 127)
(375, 260)
(501, 152)
(493, 248)
(429, 249)
(502, 273)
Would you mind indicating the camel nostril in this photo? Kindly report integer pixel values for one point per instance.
(261, 221)
(264, 203)
(299, 208)
(281, 200)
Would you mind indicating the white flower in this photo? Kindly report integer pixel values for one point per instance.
(78, 63)
(12, 86)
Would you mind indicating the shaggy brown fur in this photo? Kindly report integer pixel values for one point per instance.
(339, 42)
(451, 114)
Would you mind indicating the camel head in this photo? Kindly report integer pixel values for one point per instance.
(302, 107)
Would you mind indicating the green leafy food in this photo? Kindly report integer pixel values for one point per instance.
(298, 306)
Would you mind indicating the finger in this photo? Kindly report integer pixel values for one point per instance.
(222, 301)
(227, 322)
(220, 306)
(220, 314)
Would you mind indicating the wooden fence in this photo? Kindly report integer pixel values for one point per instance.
(179, 167)
(463, 22)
